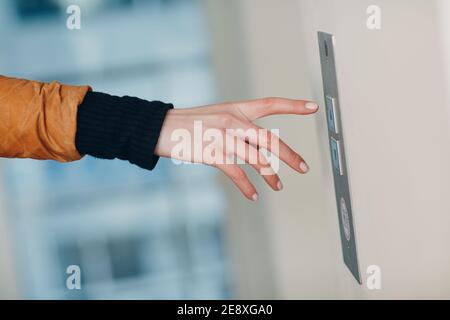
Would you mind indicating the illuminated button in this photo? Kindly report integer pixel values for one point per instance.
(345, 219)
(332, 114)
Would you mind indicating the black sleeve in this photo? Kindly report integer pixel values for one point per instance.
(126, 128)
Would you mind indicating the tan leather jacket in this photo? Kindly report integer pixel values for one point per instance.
(39, 120)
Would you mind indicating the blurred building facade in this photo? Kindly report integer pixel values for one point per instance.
(134, 234)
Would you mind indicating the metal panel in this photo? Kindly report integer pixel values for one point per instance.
(339, 164)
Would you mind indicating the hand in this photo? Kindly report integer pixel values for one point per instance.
(231, 120)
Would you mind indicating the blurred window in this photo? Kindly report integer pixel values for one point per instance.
(133, 233)
(28, 9)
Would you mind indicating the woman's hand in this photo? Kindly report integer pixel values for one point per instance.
(218, 134)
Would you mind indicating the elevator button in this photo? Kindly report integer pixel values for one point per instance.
(332, 114)
(345, 220)
(336, 156)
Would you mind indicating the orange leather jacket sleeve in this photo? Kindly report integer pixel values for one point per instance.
(39, 120)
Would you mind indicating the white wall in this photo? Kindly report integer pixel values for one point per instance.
(8, 280)
(394, 101)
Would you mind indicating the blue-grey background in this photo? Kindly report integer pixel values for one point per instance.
(134, 234)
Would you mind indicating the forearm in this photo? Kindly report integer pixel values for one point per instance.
(125, 128)
(52, 121)
(58, 122)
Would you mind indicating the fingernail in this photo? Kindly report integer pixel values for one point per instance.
(279, 185)
(304, 167)
(311, 106)
(255, 197)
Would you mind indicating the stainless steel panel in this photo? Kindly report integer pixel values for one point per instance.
(338, 161)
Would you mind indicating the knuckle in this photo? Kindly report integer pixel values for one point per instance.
(226, 120)
(268, 101)
(238, 174)
(294, 158)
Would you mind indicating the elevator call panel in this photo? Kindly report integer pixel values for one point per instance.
(337, 152)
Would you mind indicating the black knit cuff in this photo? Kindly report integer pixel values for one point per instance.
(126, 128)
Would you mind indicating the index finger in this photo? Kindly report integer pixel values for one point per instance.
(255, 109)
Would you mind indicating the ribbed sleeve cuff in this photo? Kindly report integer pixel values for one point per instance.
(126, 128)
